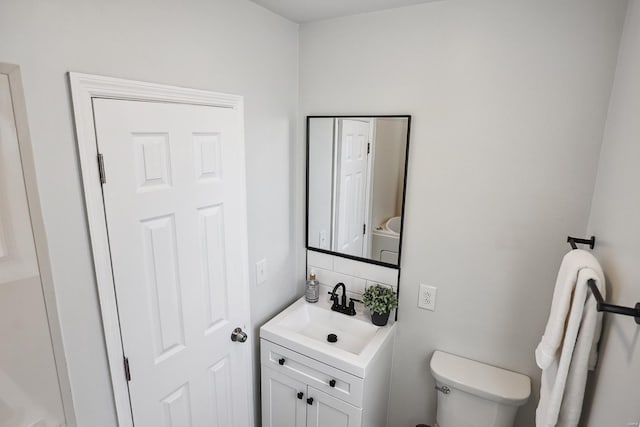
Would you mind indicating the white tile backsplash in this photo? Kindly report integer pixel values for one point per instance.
(331, 278)
(320, 260)
(356, 275)
(365, 270)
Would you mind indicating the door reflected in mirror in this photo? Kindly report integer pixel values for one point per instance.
(356, 173)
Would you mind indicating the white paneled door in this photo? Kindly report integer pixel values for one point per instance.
(175, 213)
(351, 210)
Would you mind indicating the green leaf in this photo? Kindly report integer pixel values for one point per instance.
(380, 299)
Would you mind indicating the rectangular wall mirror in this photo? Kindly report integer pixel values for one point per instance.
(356, 176)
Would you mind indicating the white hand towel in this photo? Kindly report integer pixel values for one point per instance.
(568, 348)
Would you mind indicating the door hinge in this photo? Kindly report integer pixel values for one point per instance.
(127, 371)
(103, 178)
(364, 228)
(368, 147)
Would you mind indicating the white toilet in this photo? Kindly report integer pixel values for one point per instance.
(473, 394)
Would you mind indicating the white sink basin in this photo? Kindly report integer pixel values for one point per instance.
(304, 327)
(317, 323)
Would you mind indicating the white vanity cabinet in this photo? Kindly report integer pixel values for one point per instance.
(283, 400)
(299, 391)
(326, 411)
(291, 403)
(321, 368)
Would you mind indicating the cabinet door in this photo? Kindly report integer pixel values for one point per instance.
(282, 403)
(327, 411)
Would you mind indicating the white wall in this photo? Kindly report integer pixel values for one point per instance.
(615, 221)
(508, 102)
(320, 182)
(230, 46)
(29, 387)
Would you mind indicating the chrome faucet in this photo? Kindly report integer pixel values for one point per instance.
(342, 307)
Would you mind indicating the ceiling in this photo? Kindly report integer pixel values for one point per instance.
(313, 10)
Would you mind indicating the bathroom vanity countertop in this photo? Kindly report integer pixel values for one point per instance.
(303, 327)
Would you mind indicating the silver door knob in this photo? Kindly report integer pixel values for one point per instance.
(238, 335)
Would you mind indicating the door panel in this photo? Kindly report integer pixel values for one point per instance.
(176, 229)
(211, 230)
(353, 138)
(281, 406)
(327, 411)
(160, 263)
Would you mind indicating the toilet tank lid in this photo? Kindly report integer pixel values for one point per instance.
(480, 379)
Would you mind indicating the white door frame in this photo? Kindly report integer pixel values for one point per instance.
(12, 71)
(85, 87)
(368, 200)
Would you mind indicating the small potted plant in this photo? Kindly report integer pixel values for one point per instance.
(380, 300)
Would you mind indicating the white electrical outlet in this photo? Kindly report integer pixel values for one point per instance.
(427, 297)
(261, 271)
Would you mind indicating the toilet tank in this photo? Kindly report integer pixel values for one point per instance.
(474, 394)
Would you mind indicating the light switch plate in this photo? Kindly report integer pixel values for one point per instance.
(427, 297)
(322, 240)
(261, 271)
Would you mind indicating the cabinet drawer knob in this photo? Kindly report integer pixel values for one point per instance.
(332, 383)
(300, 395)
(281, 361)
(310, 401)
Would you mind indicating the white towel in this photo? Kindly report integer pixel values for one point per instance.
(568, 348)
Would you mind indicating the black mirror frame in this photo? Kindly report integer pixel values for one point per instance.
(404, 190)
